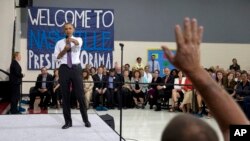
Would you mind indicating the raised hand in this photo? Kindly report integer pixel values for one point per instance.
(187, 57)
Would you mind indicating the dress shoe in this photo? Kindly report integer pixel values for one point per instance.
(67, 125)
(87, 124)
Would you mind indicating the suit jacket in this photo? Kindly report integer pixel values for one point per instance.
(49, 85)
(15, 73)
(118, 81)
(169, 83)
(100, 84)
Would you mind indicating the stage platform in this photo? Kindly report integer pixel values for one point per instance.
(40, 127)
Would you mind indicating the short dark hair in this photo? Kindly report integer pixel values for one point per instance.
(186, 127)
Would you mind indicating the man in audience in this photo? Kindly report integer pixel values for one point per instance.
(165, 90)
(223, 107)
(139, 64)
(43, 88)
(235, 65)
(100, 89)
(153, 64)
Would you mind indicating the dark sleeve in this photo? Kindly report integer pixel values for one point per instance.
(50, 84)
(15, 69)
(37, 83)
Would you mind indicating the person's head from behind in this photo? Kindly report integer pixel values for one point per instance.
(44, 71)
(68, 29)
(186, 127)
(17, 56)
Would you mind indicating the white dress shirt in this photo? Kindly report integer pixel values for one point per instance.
(75, 51)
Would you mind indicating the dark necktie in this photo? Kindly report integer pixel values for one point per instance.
(69, 60)
(153, 65)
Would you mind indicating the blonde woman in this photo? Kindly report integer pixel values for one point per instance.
(87, 86)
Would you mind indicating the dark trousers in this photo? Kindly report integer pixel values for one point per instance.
(111, 97)
(67, 76)
(15, 95)
(99, 99)
(45, 98)
(125, 98)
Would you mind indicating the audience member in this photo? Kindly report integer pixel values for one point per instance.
(139, 64)
(153, 64)
(165, 89)
(137, 87)
(235, 65)
(153, 92)
(43, 88)
(56, 93)
(87, 86)
(15, 82)
(187, 59)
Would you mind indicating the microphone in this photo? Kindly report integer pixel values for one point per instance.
(121, 44)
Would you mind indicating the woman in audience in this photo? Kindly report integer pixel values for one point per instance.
(219, 78)
(188, 94)
(177, 92)
(174, 73)
(153, 89)
(126, 91)
(237, 76)
(230, 84)
(57, 96)
(235, 65)
(92, 71)
(137, 88)
(88, 86)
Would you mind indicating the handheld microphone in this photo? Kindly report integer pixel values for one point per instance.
(121, 44)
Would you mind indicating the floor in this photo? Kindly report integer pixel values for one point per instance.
(138, 124)
(34, 127)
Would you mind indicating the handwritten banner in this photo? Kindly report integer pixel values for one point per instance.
(94, 26)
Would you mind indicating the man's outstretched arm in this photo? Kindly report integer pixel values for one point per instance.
(187, 59)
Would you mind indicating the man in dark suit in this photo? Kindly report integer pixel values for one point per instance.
(165, 91)
(43, 88)
(114, 86)
(15, 82)
(100, 88)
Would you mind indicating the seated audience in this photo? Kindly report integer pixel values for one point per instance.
(178, 91)
(87, 86)
(126, 91)
(100, 89)
(243, 87)
(43, 88)
(188, 94)
(165, 89)
(219, 78)
(230, 84)
(153, 92)
(187, 59)
(114, 86)
(137, 88)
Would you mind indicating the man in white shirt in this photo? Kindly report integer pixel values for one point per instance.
(67, 52)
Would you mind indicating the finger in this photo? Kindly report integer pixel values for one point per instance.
(194, 26)
(200, 34)
(179, 36)
(168, 53)
(187, 30)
